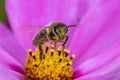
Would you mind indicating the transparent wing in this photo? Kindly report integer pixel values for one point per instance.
(30, 28)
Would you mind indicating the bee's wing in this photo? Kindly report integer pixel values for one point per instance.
(30, 28)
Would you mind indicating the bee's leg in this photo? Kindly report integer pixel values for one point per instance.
(41, 50)
(55, 44)
(65, 40)
(40, 47)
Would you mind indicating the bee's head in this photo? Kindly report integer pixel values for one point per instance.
(60, 29)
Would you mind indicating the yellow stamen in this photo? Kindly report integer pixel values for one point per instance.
(55, 64)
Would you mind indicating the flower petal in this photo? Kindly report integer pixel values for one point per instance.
(6, 74)
(41, 12)
(9, 43)
(101, 64)
(10, 62)
(99, 28)
(110, 73)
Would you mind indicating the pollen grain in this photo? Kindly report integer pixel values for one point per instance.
(55, 64)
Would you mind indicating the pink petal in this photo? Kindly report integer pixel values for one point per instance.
(113, 75)
(41, 12)
(6, 74)
(9, 43)
(98, 30)
(109, 72)
(101, 64)
(10, 62)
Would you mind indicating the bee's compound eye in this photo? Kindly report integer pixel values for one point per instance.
(57, 31)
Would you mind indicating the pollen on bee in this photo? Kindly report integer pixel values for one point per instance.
(55, 64)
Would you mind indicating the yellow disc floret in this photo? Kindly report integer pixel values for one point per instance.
(55, 64)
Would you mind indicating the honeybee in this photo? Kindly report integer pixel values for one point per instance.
(55, 32)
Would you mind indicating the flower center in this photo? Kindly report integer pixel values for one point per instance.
(49, 64)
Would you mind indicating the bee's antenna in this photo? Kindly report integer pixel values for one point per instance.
(72, 26)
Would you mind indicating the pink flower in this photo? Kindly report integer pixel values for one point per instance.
(95, 42)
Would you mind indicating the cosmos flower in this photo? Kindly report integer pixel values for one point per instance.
(95, 41)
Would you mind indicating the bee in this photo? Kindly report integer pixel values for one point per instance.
(55, 32)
